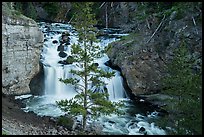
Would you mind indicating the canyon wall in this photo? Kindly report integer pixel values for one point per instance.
(22, 42)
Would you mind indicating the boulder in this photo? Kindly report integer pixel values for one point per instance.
(54, 41)
(63, 62)
(62, 54)
(142, 129)
(65, 38)
(60, 48)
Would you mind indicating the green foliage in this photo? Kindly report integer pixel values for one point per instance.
(129, 37)
(30, 11)
(16, 13)
(147, 9)
(87, 101)
(18, 6)
(185, 85)
(108, 48)
(6, 9)
(52, 8)
(70, 60)
(96, 10)
(142, 15)
(4, 132)
(26, 8)
(159, 9)
(97, 104)
(71, 13)
(182, 8)
(179, 8)
(65, 121)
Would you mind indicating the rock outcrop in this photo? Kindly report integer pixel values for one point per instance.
(142, 60)
(22, 41)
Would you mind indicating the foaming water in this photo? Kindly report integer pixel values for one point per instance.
(134, 123)
(131, 123)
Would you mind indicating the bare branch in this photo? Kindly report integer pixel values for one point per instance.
(111, 4)
(194, 21)
(148, 24)
(66, 13)
(156, 30)
(102, 5)
(194, 24)
(71, 19)
(106, 16)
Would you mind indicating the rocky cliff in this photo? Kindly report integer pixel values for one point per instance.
(21, 46)
(143, 54)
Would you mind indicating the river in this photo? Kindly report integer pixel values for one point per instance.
(135, 121)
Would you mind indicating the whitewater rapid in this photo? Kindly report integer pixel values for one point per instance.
(130, 124)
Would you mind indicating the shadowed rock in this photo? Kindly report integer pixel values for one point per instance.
(142, 129)
(60, 48)
(62, 54)
(65, 38)
(63, 62)
(54, 41)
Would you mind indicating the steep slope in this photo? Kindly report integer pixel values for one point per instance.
(143, 54)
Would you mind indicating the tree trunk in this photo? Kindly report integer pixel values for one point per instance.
(86, 88)
(106, 15)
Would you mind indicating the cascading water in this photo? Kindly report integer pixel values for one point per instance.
(130, 123)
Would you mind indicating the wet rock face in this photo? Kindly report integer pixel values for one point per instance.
(36, 84)
(65, 38)
(55, 42)
(60, 48)
(62, 54)
(21, 46)
(142, 69)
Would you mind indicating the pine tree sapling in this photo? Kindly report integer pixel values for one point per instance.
(186, 85)
(84, 52)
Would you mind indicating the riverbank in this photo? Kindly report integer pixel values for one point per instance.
(17, 122)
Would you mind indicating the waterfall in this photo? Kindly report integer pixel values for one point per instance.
(54, 87)
(115, 87)
(131, 123)
(53, 70)
(52, 84)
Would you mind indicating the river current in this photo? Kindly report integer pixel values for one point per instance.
(135, 121)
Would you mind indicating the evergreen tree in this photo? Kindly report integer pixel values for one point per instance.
(30, 10)
(26, 8)
(185, 85)
(87, 101)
